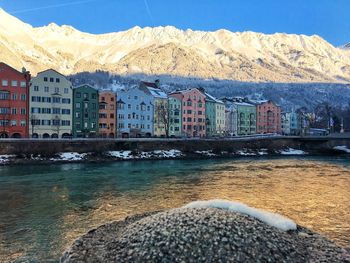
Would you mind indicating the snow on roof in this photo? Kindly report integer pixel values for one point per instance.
(242, 104)
(213, 98)
(157, 93)
(272, 219)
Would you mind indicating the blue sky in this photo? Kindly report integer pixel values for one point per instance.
(328, 18)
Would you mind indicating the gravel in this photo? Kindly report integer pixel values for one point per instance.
(201, 235)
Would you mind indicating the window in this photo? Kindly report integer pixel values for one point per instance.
(86, 105)
(5, 82)
(4, 95)
(36, 88)
(13, 123)
(14, 83)
(56, 122)
(93, 95)
(23, 123)
(65, 101)
(36, 110)
(57, 90)
(51, 79)
(78, 95)
(111, 107)
(93, 125)
(93, 105)
(46, 89)
(46, 110)
(23, 96)
(23, 84)
(129, 106)
(148, 108)
(56, 100)
(4, 123)
(66, 111)
(45, 79)
(36, 99)
(56, 110)
(77, 114)
(77, 105)
(23, 111)
(57, 80)
(65, 123)
(46, 122)
(4, 110)
(111, 116)
(35, 122)
(85, 95)
(77, 125)
(14, 111)
(135, 97)
(46, 99)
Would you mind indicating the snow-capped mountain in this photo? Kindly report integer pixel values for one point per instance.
(245, 56)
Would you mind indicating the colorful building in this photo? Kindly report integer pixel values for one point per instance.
(175, 116)
(230, 118)
(160, 102)
(85, 111)
(193, 112)
(50, 103)
(135, 111)
(268, 117)
(107, 114)
(246, 118)
(291, 123)
(215, 116)
(14, 106)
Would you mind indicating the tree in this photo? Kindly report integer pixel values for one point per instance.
(162, 116)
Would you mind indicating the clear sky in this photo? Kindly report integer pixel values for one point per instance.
(328, 18)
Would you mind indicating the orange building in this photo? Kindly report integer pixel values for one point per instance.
(107, 114)
(14, 102)
(268, 116)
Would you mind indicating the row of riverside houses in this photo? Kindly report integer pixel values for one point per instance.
(48, 106)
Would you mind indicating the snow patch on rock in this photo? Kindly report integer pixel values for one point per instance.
(272, 219)
(5, 158)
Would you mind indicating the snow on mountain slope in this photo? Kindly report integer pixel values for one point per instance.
(245, 56)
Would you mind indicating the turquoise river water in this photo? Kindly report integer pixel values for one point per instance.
(43, 209)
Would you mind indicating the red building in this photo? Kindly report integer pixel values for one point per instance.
(193, 112)
(268, 117)
(14, 102)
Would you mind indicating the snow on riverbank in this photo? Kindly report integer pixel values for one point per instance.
(206, 153)
(342, 148)
(69, 156)
(6, 158)
(272, 219)
(159, 154)
(291, 151)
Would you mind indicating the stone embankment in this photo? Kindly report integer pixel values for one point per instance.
(97, 150)
(201, 235)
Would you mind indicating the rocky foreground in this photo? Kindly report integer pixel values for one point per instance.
(201, 235)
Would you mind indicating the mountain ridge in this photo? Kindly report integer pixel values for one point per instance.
(220, 54)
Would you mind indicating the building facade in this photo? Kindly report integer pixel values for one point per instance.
(246, 118)
(107, 114)
(230, 118)
(193, 112)
(14, 106)
(160, 102)
(135, 110)
(175, 117)
(215, 116)
(268, 117)
(291, 123)
(85, 111)
(50, 103)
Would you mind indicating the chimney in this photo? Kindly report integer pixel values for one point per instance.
(157, 82)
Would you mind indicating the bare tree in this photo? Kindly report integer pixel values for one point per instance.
(162, 116)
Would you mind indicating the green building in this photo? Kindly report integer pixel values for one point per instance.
(246, 118)
(85, 111)
(175, 117)
(215, 116)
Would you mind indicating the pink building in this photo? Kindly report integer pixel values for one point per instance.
(193, 112)
(268, 116)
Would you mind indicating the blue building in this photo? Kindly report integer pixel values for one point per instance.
(135, 110)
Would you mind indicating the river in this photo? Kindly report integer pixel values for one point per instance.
(44, 208)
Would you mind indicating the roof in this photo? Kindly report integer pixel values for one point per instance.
(88, 85)
(210, 97)
(12, 68)
(156, 92)
(50, 69)
(149, 84)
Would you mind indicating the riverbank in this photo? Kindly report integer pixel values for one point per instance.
(207, 234)
(19, 152)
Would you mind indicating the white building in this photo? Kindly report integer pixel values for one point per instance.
(50, 104)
